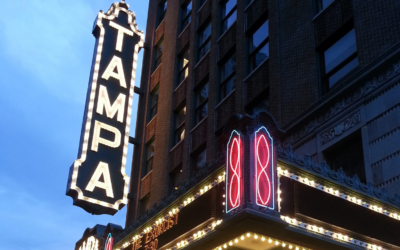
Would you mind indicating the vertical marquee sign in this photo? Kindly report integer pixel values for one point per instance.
(97, 181)
(234, 161)
(263, 168)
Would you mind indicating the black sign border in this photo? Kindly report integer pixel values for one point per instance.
(112, 13)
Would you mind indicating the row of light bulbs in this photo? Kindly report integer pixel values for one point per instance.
(196, 236)
(328, 233)
(337, 193)
(261, 238)
(148, 229)
(186, 202)
(78, 162)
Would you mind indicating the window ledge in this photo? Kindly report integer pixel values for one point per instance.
(226, 97)
(159, 24)
(155, 70)
(177, 87)
(202, 6)
(248, 6)
(187, 25)
(226, 31)
(198, 124)
(253, 72)
(147, 175)
(202, 58)
(322, 11)
(151, 120)
(176, 145)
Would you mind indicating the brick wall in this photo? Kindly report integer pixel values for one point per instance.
(332, 19)
(199, 135)
(290, 78)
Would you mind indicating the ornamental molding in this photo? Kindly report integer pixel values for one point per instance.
(340, 128)
(389, 182)
(324, 171)
(384, 136)
(378, 163)
(345, 102)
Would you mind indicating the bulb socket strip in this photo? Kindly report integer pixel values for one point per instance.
(330, 234)
(336, 193)
(267, 240)
(196, 236)
(184, 203)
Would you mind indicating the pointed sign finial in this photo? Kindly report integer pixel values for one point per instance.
(123, 4)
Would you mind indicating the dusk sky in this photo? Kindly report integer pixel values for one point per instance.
(46, 49)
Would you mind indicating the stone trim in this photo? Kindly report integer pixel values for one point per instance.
(375, 164)
(383, 114)
(385, 136)
(395, 179)
(345, 102)
(340, 128)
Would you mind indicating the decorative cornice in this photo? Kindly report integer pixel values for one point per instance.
(383, 114)
(393, 180)
(339, 176)
(340, 128)
(346, 101)
(384, 136)
(375, 164)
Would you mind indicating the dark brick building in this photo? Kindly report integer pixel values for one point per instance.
(322, 76)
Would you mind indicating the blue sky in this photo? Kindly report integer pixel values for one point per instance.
(46, 49)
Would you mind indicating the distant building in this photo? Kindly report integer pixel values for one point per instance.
(322, 77)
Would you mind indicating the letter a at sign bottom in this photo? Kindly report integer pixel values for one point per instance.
(102, 169)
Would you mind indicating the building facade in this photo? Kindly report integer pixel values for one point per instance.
(321, 78)
(327, 72)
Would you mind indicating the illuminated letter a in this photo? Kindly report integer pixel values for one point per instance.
(102, 169)
(116, 62)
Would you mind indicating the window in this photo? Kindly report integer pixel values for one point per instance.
(153, 103)
(162, 10)
(228, 14)
(200, 160)
(348, 155)
(227, 77)
(180, 124)
(204, 40)
(340, 59)
(150, 155)
(201, 102)
(176, 179)
(183, 66)
(159, 50)
(186, 14)
(144, 205)
(322, 4)
(259, 46)
(201, 2)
